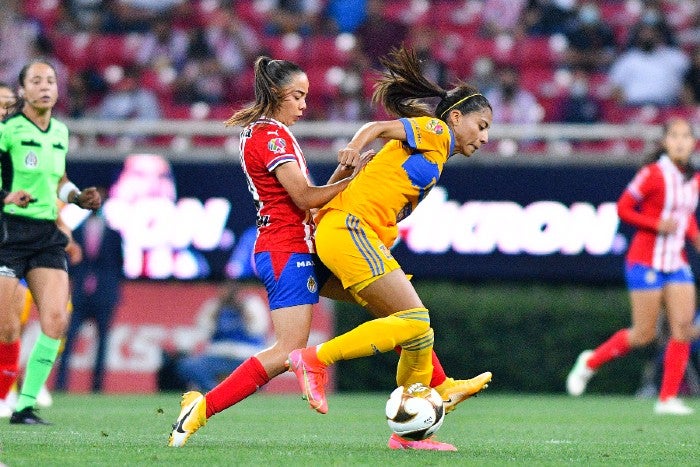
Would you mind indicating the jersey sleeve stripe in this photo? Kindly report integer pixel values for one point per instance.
(272, 165)
(410, 136)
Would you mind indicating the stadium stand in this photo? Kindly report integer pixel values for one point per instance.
(458, 42)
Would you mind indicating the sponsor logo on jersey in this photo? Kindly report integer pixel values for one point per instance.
(277, 145)
(303, 264)
(435, 126)
(311, 284)
(31, 160)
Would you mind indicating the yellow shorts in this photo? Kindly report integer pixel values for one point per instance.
(352, 250)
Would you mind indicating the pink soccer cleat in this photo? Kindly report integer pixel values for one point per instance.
(312, 378)
(429, 444)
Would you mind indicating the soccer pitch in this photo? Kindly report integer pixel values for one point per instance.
(273, 430)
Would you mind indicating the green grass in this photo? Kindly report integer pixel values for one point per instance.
(273, 430)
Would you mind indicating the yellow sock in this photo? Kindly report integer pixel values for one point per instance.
(416, 361)
(376, 336)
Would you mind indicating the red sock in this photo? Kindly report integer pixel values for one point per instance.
(617, 346)
(9, 365)
(675, 362)
(439, 375)
(244, 381)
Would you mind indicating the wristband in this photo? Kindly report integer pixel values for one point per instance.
(65, 191)
(3, 195)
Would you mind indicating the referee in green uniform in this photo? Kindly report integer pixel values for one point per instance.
(33, 148)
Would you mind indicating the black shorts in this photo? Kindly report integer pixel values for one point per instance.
(29, 243)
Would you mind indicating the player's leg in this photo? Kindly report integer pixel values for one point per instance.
(453, 391)
(645, 302)
(679, 299)
(291, 298)
(49, 287)
(11, 304)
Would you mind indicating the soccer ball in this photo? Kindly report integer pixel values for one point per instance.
(415, 413)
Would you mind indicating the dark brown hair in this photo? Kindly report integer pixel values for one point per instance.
(402, 85)
(270, 77)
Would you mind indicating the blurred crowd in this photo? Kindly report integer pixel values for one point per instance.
(573, 61)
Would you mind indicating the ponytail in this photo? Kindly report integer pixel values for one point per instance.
(403, 83)
(270, 77)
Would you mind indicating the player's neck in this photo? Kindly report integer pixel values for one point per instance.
(40, 117)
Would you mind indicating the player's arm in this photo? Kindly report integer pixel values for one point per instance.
(73, 249)
(345, 171)
(306, 196)
(88, 198)
(390, 129)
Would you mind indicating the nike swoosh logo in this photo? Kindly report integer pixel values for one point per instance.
(447, 401)
(178, 428)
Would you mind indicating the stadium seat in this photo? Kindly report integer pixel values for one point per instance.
(327, 50)
(288, 47)
(45, 12)
(115, 49)
(252, 13)
(74, 51)
(537, 51)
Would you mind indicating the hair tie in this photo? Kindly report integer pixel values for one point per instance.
(457, 103)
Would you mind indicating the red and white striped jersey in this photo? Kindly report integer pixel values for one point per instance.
(265, 145)
(660, 191)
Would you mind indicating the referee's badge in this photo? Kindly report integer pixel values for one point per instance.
(650, 277)
(30, 160)
(311, 284)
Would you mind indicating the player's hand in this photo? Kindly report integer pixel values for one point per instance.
(74, 252)
(89, 198)
(365, 157)
(667, 226)
(349, 157)
(20, 198)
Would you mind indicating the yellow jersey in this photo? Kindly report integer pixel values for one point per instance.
(399, 177)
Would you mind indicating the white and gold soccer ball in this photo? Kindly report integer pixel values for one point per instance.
(415, 413)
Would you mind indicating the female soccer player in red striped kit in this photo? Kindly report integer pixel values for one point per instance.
(660, 202)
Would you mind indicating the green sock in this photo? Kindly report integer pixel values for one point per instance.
(38, 369)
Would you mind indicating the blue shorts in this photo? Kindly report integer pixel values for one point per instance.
(290, 279)
(641, 277)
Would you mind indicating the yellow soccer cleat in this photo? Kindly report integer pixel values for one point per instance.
(454, 391)
(192, 417)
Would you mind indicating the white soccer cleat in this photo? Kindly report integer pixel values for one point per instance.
(580, 374)
(672, 406)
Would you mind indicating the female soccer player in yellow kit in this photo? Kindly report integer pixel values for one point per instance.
(359, 225)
